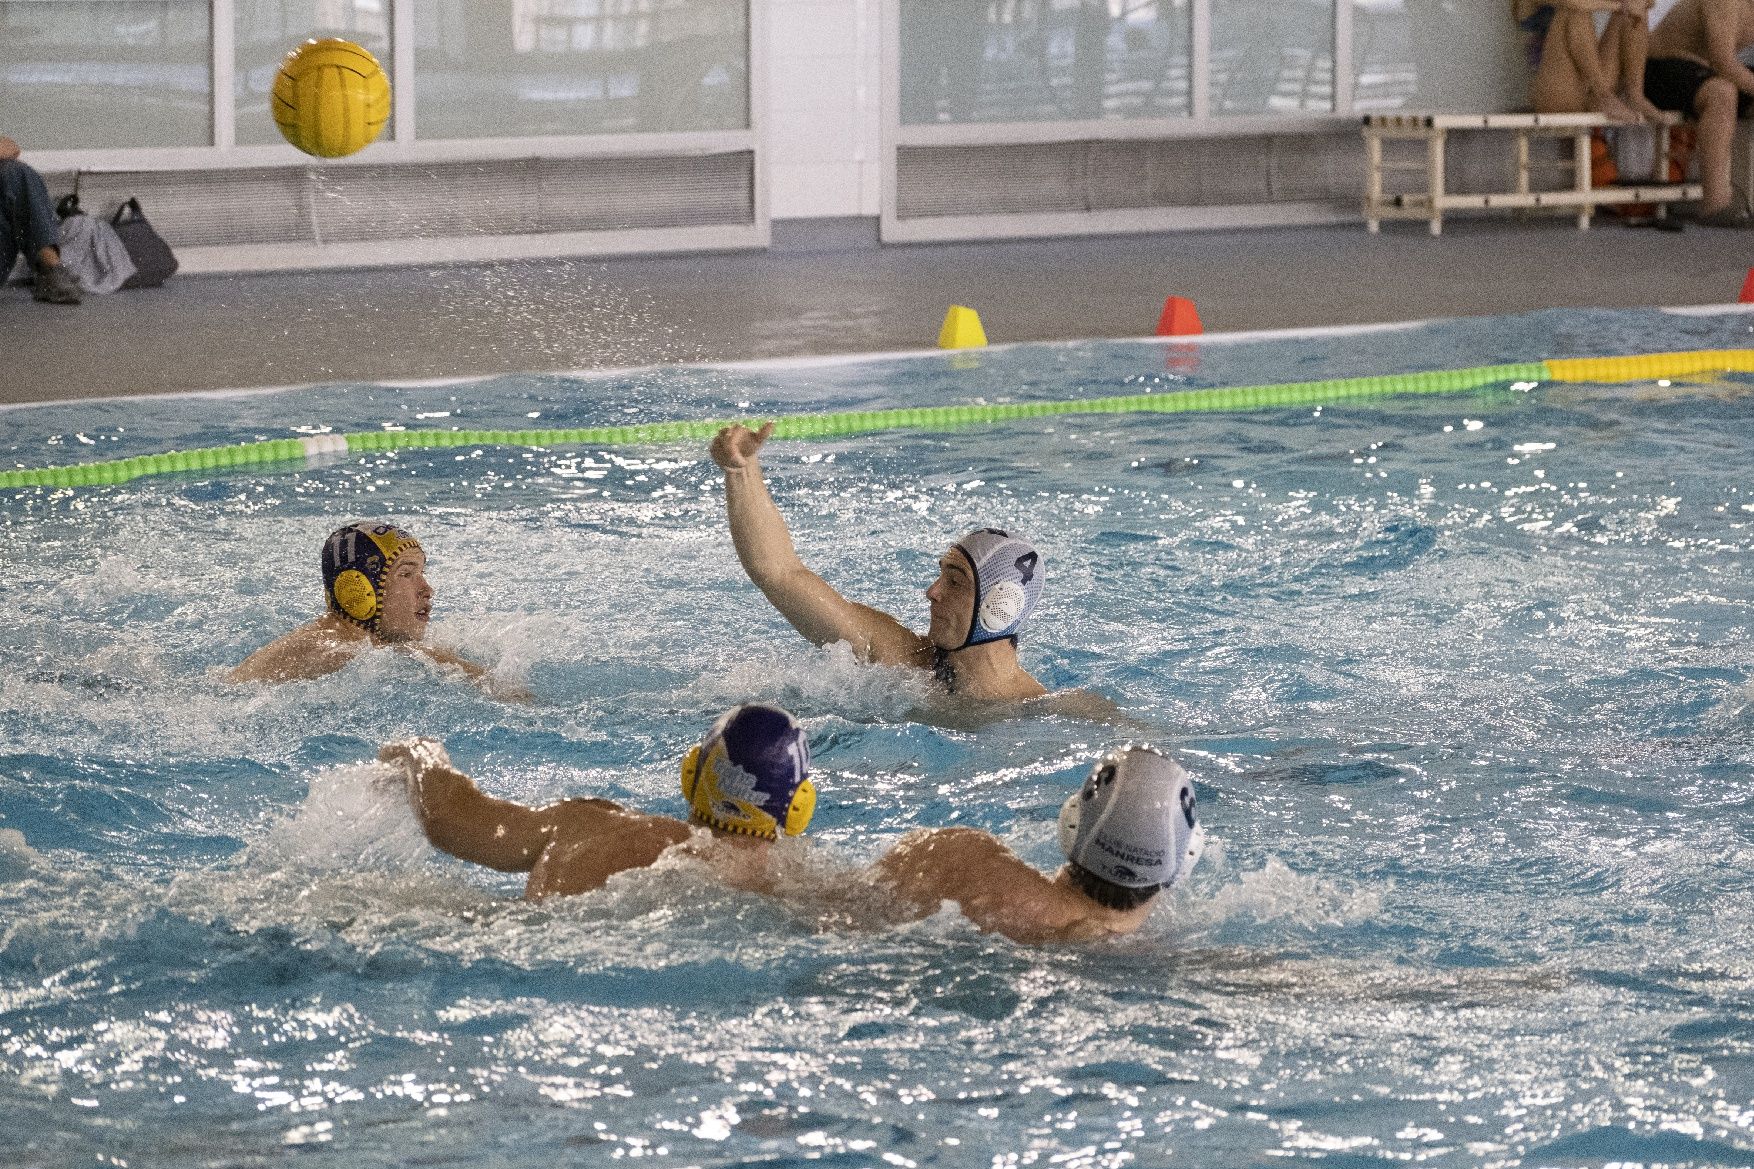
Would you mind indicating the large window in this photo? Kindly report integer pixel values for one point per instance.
(269, 29)
(1437, 55)
(1272, 57)
(1043, 60)
(80, 74)
(993, 61)
(512, 68)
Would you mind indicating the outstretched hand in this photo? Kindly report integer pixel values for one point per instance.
(736, 446)
(415, 756)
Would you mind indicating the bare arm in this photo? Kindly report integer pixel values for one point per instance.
(764, 547)
(8, 149)
(1723, 27)
(992, 885)
(458, 818)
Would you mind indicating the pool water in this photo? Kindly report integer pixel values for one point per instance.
(1465, 682)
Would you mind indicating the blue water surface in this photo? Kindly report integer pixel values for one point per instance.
(1464, 681)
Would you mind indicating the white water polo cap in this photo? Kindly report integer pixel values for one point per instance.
(1133, 821)
(1008, 575)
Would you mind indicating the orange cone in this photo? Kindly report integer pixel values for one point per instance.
(1747, 296)
(1180, 318)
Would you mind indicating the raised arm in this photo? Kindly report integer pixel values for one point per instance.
(764, 547)
(992, 885)
(462, 821)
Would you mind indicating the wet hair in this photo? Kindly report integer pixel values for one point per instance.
(1106, 893)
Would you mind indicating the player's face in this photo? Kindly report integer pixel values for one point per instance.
(407, 599)
(952, 601)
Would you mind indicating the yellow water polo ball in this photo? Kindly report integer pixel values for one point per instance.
(331, 98)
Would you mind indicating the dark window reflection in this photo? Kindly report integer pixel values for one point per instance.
(106, 73)
(513, 68)
(1043, 60)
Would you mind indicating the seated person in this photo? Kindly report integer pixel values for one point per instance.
(374, 578)
(1694, 69)
(1129, 832)
(746, 782)
(1581, 74)
(29, 227)
(988, 585)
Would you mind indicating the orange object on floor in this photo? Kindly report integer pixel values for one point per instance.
(1180, 318)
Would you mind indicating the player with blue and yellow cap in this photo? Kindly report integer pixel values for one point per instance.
(989, 585)
(747, 782)
(375, 593)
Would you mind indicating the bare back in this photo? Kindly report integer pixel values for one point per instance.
(995, 889)
(592, 840)
(1688, 28)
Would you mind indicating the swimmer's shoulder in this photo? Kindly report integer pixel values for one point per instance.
(994, 888)
(312, 650)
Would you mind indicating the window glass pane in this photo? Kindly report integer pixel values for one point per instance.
(1438, 55)
(514, 68)
(267, 30)
(104, 73)
(1272, 56)
(1043, 60)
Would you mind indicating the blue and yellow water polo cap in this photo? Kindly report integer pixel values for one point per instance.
(356, 561)
(751, 774)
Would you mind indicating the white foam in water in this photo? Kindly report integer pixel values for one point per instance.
(355, 816)
(1276, 893)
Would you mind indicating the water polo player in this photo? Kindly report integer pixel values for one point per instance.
(747, 783)
(1128, 833)
(989, 583)
(376, 594)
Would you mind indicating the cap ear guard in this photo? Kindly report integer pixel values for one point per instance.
(690, 774)
(802, 808)
(354, 594)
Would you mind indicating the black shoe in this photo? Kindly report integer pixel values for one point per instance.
(56, 286)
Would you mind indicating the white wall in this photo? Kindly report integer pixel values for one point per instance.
(821, 121)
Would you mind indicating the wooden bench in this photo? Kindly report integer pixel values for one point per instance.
(1433, 200)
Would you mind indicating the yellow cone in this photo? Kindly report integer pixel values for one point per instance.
(962, 329)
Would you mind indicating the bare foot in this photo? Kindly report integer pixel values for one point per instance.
(1642, 107)
(1616, 110)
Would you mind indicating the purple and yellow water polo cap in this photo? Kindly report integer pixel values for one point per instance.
(1008, 577)
(356, 562)
(751, 774)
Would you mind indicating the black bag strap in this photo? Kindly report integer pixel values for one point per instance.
(128, 210)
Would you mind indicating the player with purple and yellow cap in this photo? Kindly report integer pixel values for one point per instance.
(375, 594)
(747, 783)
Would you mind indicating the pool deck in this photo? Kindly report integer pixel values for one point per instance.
(217, 332)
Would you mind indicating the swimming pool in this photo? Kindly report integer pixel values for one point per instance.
(1464, 681)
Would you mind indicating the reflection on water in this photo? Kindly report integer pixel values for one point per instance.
(1464, 682)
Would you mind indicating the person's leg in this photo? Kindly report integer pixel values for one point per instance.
(1627, 39)
(8, 241)
(1573, 77)
(37, 232)
(1715, 106)
(31, 212)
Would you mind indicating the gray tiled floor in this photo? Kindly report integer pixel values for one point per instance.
(216, 332)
